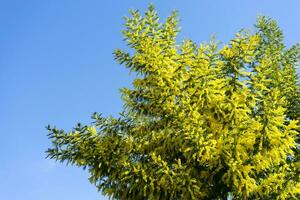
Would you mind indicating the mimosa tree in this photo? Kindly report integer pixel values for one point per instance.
(200, 121)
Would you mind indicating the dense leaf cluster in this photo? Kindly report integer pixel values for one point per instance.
(200, 122)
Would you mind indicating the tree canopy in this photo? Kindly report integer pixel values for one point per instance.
(201, 121)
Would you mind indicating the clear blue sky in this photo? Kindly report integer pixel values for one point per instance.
(56, 67)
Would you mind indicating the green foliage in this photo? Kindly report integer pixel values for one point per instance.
(201, 121)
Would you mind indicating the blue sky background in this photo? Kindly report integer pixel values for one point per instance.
(56, 67)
